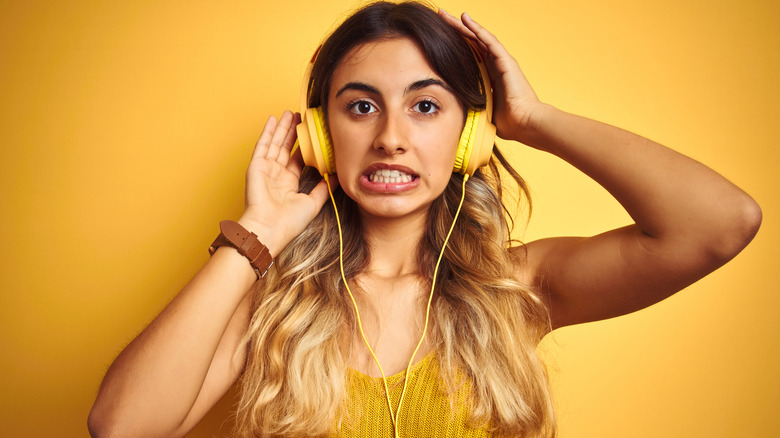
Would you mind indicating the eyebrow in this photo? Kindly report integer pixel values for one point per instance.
(417, 85)
(360, 86)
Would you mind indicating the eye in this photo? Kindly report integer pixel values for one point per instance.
(361, 107)
(426, 107)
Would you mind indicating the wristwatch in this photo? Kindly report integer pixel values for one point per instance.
(247, 244)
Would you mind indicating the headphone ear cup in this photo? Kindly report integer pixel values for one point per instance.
(476, 143)
(315, 143)
(463, 154)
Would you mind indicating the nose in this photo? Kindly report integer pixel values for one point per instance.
(391, 138)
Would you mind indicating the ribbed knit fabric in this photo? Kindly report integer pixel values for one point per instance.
(425, 412)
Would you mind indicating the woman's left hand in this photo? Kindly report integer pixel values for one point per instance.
(515, 107)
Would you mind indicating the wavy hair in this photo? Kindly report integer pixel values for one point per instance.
(485, 324)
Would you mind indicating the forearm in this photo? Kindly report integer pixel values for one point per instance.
(179, 366)
(155, 382)
(669, 195)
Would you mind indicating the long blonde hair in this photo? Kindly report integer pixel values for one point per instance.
(485, 324)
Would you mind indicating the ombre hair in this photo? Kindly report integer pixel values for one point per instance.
(485, 324)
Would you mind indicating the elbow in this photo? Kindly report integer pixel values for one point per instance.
(98, 427)
(739, 228)
(105, 424)
(753, 217)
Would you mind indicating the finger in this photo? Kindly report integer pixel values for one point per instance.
(457, 24)
(289, 140)
(261, 147)
(295, 163)
(465, 31)
(479, 46)
(484, 36)
(501, 62)
(320, 193)
(279, 135)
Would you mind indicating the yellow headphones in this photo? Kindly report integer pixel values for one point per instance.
(474, 148)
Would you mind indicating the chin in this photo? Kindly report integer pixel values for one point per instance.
(375, 209)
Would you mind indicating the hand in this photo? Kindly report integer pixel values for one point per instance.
(274, 209)
(515, 105)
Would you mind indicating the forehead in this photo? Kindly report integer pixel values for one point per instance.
(387, 63)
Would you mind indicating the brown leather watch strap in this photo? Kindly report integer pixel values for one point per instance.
(247, 244)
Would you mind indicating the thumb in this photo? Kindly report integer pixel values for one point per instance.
(319, 193)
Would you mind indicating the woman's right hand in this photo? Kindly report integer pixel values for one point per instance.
(274, 209)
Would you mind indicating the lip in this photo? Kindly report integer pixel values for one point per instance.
(376, 187)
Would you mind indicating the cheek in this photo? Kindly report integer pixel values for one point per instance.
(442, 146)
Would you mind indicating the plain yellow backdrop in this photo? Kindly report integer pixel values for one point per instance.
(126, 128)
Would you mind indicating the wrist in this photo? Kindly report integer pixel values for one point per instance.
(533, 130)
(267, 235)
(246, 243)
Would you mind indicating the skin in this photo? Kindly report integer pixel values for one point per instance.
(389, 110)
(386, 111)
(688, 221)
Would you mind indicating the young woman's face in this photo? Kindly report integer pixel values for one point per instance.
(395, 127)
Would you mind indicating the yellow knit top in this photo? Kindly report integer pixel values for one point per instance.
(426, 411)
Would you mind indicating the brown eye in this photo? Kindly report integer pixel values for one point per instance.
(362, 107)
(426, 107)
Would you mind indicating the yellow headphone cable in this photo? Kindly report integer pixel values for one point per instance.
(394, 415)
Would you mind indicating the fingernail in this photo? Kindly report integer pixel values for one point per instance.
(443, 11)
(466, 14)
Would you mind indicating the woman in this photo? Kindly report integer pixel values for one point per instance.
(395, 83)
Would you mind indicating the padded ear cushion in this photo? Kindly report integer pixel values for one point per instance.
(315, 143)
(326, 145)
(466, 142)
(476, 143)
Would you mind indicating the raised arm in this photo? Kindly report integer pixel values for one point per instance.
(169, 377)
(689, 220)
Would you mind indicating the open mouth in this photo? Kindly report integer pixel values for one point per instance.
(390, 176)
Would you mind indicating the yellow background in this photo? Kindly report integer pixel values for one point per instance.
(126, 128)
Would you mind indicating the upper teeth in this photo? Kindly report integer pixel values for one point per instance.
(389, 176)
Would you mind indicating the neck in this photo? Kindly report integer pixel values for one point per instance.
(393, 244)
